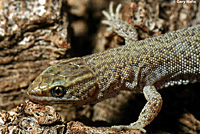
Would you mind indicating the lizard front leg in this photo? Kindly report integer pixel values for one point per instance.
(149, 112)
(122, 28)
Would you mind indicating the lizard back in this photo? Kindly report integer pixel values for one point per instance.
(170, 59)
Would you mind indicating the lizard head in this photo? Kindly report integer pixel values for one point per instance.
(71, 81)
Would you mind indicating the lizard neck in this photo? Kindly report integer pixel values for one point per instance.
(113, 68)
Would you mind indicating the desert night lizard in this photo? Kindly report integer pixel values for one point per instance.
(140, 66)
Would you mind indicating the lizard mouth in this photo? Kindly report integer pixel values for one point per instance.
(53, 100)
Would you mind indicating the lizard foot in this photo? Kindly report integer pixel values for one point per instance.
(135, 125)
(111, 16)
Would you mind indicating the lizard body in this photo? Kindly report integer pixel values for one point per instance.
(140, 66)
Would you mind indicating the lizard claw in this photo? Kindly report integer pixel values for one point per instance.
(132, 126)
(111, 16)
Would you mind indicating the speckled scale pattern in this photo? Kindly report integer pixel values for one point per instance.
(159, 60)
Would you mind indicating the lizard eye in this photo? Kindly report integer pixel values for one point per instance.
(58, 91)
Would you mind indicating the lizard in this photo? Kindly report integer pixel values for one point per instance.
(144, 66)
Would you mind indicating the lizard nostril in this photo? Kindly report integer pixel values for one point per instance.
(31, 92)
(34, 91)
